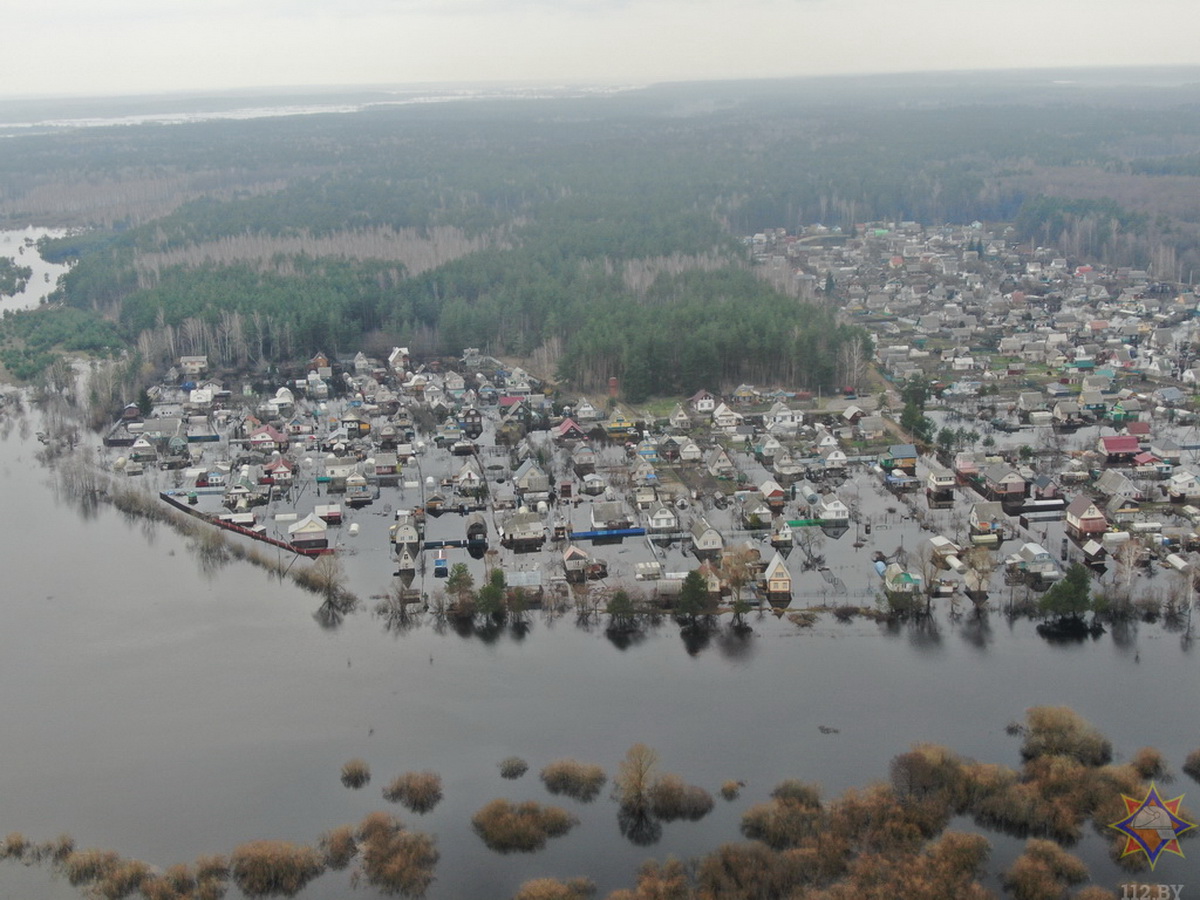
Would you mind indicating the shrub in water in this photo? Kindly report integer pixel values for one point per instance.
(338, 846)
(1043, 870)
(1060, 731)
(730, 790)
(1192, 764)
(355, 773)
(86, 866)
(417, 791)
(573, 778)
(274, 868)
(1150, 764)
(513, 767)
(122, 879)
(508, 827)
(553, 889)
(395, 860)
(672, 798)
(14, 847)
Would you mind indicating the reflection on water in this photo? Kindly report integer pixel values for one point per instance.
(133, 689)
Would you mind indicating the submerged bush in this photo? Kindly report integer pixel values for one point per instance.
(508, 827)
(395, 860)
(338, 846)
(1044, 870)
(15, 846)
(672, 798)
(730, 790)
(553, 889)
(419, 792)
(355, 773)
(87, 866)
(1191, 765)
(123, 879)
(274, 868)
(574, 779)
(1060, 731)
(1150, 764)
(513, 767)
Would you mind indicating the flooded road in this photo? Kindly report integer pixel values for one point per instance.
(164, 711)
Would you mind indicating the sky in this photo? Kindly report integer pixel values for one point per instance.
(87, 47)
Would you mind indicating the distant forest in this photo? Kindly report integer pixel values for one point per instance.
(599, 232)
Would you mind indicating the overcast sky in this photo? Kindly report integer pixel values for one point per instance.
(135, 46)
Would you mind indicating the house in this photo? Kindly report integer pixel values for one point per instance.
(267, 438)
(707, 542)
(1113, 483)
(609, 515)
(647, 449)
(832, 510)
(398, 360)
(1126, 410)
(773, 493)
(765, 452)
(1183, 486)
(618, 425)
(531, 479)
(575, 562)
(782, 418)
(778, 579)
(900, 456)
(1084, 519)
(1002, 482)
(720, 464)
(754, 513)
(834, 458)
(309, 533)
(871, 428)
(523, 532)
(690, 452)
(279, 471)
(358, 490)
(898, 580)
(703, 402)
(1034, 562)
(583, 461)
(679, 419)
(470, 419)
(1119, 448)
(725, 418)
(193, 365)
(987, 522)
(662, 520)
(585, 411)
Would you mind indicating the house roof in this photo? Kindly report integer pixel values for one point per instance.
(1080, 506)
(1120, 443)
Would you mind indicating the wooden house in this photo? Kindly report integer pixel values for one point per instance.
(707, 542)
(777, 579)
(662, 520)
(720, 464)
(900, 456)
(1084, 519)
(1119, 448)
(1002, 482)
(703, 402)
(309, 533)
(987, 522)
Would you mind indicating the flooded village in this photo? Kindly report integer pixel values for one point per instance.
(872, 564)
(1020, 415)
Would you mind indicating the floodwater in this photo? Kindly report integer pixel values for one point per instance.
(164, 711)
(20, 247)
